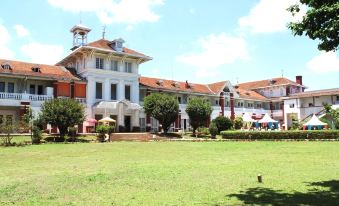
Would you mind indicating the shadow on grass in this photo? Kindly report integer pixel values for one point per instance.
(322, 193)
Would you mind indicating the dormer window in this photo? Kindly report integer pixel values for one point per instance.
(36, 69)
(6, 66)
(160, 82)
(117, 44)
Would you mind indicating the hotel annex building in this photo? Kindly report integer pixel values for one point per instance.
(104, 76)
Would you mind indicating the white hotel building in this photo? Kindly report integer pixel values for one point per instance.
(104, 76)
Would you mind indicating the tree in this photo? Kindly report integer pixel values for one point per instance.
(238, 123)
(163, 107)
(63, 113)
(7, 129)
(199, 111)
(320, 22)
(223, 123)
(333, 114)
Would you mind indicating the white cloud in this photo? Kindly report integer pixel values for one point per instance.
(43, 53)
(324, 62)
(5, 38)
(192, 11)
(270, 16)
(112, 11)
(21, 31)
(217, 50)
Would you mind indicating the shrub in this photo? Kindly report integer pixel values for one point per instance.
(213, 130)
(136, 129)
(238, 123)
(103, 130)
(223, 123)
(203, 131)
(297, 134)
(37, 135)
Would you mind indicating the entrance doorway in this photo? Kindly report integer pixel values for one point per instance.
(127, 123)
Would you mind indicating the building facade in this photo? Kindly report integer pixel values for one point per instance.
(104, 76)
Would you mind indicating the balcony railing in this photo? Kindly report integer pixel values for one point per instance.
(81, 100)
(24, 96)
(15, 96)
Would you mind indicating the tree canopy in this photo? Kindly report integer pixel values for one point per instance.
(163, 107)
(63, 113)
(320, 22)
(199, 111)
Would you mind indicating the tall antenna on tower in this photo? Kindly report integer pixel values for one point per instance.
(80, 17)
(103, 31)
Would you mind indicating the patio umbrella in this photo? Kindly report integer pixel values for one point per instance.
(106, 119)
(91, 120)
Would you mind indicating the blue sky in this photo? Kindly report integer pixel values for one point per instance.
(200, 41)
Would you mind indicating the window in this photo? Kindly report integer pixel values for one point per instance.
(2, 86)
(128, 92)
(41, 89)
(113, 91)
(6, 66)
(9, 120)
(10, 87)
(128, 67)
(179, 100)
(310, 105)
(1, 119)
(32, 89)
(99, 63)
(337, 98)
(291, 105)
(98, 90)
(114, 65)
(216, 102)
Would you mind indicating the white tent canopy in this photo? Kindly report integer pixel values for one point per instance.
(247, 118)
(267, 119)
(314, 121)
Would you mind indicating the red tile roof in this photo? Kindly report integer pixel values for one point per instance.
(105, 44)
(163, 84)
(46, 71)
(316, 93)
(265, 83)
(249, 94)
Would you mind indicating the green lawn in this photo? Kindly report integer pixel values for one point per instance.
(171, 173)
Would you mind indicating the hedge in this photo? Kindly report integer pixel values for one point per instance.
(316, 134)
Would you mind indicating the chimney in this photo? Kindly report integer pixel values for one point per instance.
(299, 80)
(187, 85)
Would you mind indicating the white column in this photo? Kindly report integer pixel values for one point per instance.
(121, 90)
(107, 90)
(135, 92)
(135, 119)
(90, 91)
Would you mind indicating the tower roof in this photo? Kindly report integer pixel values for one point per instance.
(80, 27)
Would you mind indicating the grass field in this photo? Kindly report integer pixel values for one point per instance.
(171, 173)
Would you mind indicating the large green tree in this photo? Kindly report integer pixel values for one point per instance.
(163, 107)
(63, 113)
(199, 111)
(320, 22)
(333, 114)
